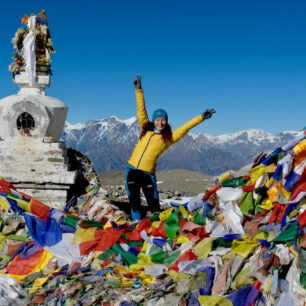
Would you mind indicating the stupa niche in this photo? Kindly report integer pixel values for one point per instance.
(31, 123)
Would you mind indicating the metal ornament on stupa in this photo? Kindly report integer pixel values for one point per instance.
(31, 123)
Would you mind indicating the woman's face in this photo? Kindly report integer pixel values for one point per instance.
(160, 123)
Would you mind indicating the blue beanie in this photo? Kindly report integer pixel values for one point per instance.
(159, 113)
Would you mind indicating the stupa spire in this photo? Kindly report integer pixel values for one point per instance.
(31, 68)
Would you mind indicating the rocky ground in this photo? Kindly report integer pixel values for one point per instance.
(172, 184)
(119, 193)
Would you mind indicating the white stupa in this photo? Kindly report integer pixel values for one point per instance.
(31, 154)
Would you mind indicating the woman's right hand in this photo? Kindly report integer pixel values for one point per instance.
(137, 82)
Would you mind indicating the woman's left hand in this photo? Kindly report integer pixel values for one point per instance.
(208, 113)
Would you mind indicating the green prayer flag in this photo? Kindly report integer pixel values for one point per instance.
(234, 182)
(155, 249)
(71, 221)
(166, 258)
(5, 257)
(246, 203)
(257, 203)
(172, 225)
(277, 156)
(18, 238)
(221, 242)
(128, 257)
(155, 217)
(302, 260)
(199, 219)
(135, 243)
(125, 237)
(289, 234)
(106, 254)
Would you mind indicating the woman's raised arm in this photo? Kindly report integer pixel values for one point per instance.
(185, 128)
(141, 106)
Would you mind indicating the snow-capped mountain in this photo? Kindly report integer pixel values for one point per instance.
(244, 144)
(109, 143)
(98, 133)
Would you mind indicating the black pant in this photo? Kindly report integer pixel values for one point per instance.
(136, 180)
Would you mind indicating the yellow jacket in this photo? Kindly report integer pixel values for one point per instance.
(151, 146)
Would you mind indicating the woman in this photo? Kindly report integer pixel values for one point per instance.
(155, 138)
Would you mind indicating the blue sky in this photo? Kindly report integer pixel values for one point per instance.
(246, 59)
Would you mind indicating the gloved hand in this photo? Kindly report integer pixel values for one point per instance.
(208, 113)
(137, 82)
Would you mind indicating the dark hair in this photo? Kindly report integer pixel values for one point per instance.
(166, 132)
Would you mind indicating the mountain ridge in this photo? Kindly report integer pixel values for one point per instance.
(109, 142)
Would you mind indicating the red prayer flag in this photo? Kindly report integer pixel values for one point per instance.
(39, 209)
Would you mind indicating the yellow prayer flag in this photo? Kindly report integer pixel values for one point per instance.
(124, 270)
(148, 280)
(177, 276)
(242, 279)
(272, 193)
(184, 211)
(257, 172)
(224, 177)
(4, 203)
(293, 251)
(270, 182)
(144, 260)
(203, 248)
(84, 234)
(38, 283)
(164, 215)
(267, 205)
(181, 239)
(243, 248)
(267, 288)
(210, 300)
(285, 193)
(261, 235)
(24, 205)
(145, 246)
(293, 213)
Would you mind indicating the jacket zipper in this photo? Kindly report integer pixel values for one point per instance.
(144, 150)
